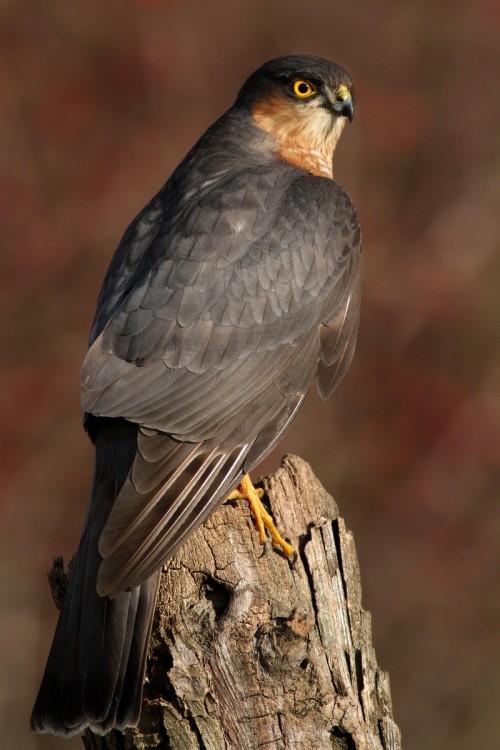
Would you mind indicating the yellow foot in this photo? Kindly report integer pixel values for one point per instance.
(246, 491)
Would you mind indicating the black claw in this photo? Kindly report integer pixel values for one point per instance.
(292, 560)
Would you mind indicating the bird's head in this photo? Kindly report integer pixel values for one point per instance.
(302, 103)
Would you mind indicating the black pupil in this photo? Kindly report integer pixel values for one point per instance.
(303, 88)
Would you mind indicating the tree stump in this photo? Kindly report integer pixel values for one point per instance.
(250, 651)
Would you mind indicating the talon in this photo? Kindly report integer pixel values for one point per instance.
(263, 520)
(238, 493)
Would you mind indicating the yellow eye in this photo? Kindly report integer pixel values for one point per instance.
(303, 89)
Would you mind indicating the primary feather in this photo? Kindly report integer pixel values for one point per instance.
(232, 291)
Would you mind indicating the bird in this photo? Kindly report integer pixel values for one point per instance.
(233, 292)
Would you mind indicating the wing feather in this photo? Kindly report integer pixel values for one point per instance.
(211, 345)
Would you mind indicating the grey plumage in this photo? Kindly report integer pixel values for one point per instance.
(100, 644)
(233, 290)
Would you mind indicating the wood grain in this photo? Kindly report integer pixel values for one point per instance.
(250, 651)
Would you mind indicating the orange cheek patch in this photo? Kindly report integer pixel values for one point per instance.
(278, 117)
(293, 128)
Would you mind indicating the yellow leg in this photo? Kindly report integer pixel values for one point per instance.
(263, 521)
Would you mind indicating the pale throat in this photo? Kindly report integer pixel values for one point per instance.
(306, 140)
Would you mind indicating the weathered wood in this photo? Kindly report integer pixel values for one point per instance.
(249, 651)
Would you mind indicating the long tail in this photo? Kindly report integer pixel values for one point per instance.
(95, 670)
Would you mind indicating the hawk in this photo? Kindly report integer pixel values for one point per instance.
(232, 292)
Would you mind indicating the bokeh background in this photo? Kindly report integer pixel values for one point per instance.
(98, 102)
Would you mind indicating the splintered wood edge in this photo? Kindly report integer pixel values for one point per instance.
(295, 494)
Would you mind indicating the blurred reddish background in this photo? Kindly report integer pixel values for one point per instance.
(98, 102)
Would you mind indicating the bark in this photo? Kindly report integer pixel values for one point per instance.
(250, 651)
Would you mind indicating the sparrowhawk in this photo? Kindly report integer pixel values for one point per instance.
(234, 290)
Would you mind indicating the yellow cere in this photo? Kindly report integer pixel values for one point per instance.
(303, 89)
(342, 93)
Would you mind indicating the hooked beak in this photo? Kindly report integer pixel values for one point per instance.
(344, 105)
(345, 108)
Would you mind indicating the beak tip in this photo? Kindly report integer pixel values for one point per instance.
(348, 110)
(345, 108)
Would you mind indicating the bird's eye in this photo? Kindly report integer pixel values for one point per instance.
(303, 89)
